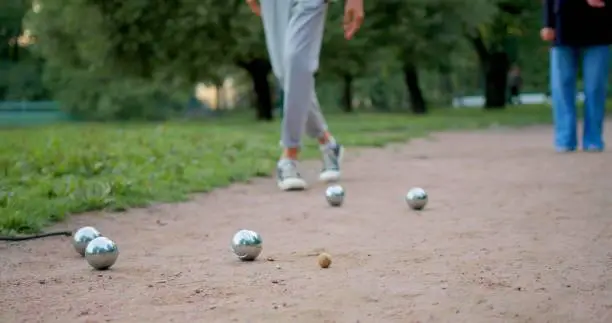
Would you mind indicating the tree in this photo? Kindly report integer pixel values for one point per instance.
(248, 52)
(11, 14)
(532, 52)
(495, 45)
(129, 59)
(160, 48)
(423, 34)
(20, 71)
(346, 60)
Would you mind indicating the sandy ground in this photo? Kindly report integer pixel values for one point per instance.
(513, 233)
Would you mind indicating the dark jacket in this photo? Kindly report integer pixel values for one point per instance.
(578, 24)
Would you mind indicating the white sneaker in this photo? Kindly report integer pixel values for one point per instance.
(332, 158)
(287, 176)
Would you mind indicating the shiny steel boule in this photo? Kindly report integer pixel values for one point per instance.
(246, 245)
(101, 253)
(417, 198)
(82, 237)
(335, 195)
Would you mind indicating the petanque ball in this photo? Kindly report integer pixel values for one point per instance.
(247, 245)
(335, 195)
(82, 237)
(101, 253)
(417, 198)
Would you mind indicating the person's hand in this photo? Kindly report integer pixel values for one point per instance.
(254, 5)
(547, 34)
(353, 17)
(596, 3)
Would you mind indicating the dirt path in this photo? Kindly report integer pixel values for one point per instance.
(513, 233)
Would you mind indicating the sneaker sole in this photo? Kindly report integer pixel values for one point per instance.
(292, 184)
(333, 175)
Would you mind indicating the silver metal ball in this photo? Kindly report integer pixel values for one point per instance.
(101, 253)
(82, 237)
(417, 198)
(335, 195)
(247, 245)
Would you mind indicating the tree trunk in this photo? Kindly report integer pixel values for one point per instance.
(219, 98)
(495, 66)
(496, 81)
(219, 94)
(446, 85)
(411, 78)
(378, 95)
(258, 70)
(347, 93)
(15, 52)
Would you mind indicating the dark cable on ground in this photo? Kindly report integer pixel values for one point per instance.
(36, 236)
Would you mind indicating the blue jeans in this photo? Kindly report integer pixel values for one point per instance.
(564, 62)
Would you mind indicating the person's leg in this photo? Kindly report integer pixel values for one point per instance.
(303, 38)
(563, 69)
(331, 151)
(302, 48)
(275, 15)
(595, 74)
(316, 126)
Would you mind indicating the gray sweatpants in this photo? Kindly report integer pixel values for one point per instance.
(294, 32)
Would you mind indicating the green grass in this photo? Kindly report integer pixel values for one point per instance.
(47, 173)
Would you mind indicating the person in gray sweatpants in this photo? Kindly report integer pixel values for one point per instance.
(294, 33)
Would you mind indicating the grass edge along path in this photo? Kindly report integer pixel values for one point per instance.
(55, 171)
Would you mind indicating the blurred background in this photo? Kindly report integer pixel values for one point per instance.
(108, 60)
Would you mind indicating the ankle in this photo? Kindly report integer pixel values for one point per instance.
(326, 139)
(290, 154)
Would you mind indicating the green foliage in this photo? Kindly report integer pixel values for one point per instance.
(532, 52)
(511, 20)
(247, 35)
(115, 59)
(405, 34)
(19, 72)
(183, 40)
(11, 15)
(113, 99)
(22, 80)
(340, 57)
(423, 31)
(52, 172)
(127, 50)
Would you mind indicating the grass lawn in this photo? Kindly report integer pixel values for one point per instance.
(50, 172)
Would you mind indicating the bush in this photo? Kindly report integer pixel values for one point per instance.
(87, 96)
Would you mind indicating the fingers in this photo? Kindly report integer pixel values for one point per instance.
(348, 24)
(348, 17)
(352, 22)
(349, 33)
(254, 5)
(256, 9)
(547, 34)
